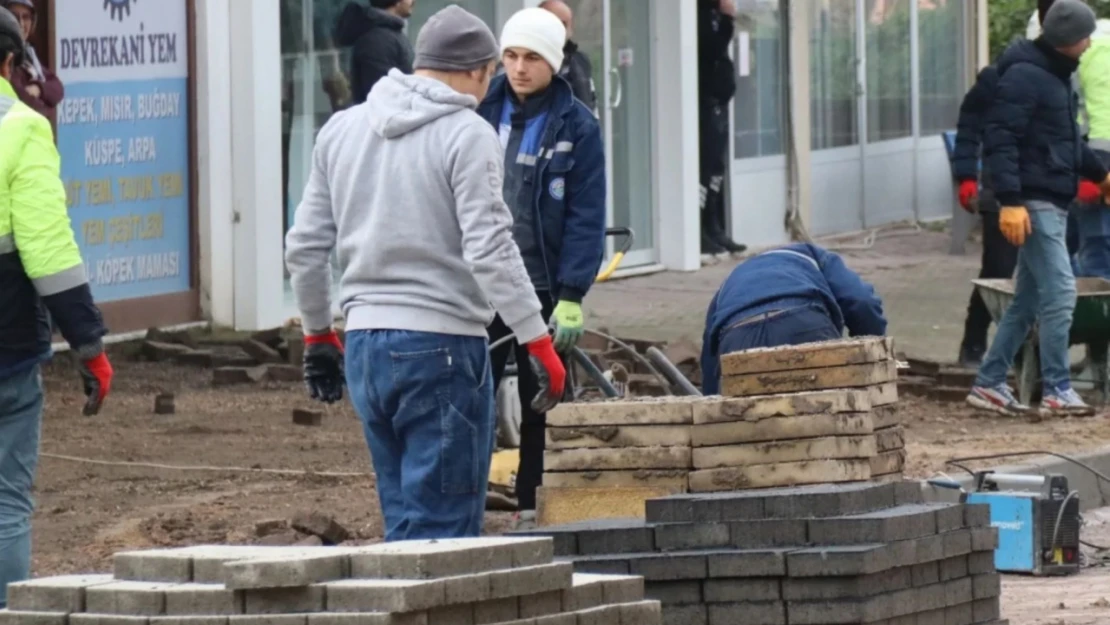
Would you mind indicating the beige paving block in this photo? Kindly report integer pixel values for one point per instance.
(617, 459)
(719, 409)
(651, 478)
(808, 356)
(889, 462)
(559, 506)
(618, 436)
(786, 474)
(884, 417)
(890, 439)
(782, 428)
(643, 411)
(779, 452)
(884, 394)
(848, 376)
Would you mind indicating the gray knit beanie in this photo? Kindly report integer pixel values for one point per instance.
(453, 40)
(1067, 23)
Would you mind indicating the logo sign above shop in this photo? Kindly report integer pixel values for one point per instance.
(123, 135)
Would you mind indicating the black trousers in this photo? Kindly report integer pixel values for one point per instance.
(533, 425)
(998, 262)
(713, 149)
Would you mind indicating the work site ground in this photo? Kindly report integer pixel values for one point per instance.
(230, 466)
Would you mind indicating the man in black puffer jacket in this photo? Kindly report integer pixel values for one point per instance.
(1036, 154)
(379, 43)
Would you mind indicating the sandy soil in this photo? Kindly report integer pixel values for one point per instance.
(88, 511)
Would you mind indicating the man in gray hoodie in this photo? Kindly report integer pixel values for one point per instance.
(406, 187)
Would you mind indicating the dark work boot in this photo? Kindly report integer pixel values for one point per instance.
(710, 246)
(971, 356)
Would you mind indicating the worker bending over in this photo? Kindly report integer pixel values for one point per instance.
(555, 186)
(407, 188)
(796, 294)
(40, 270)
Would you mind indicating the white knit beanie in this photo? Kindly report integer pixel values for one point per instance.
(537, 30)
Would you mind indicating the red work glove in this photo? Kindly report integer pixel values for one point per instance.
(323, 367)
(550, 374)
(96, 377)
(969, 190)
(1089, 192)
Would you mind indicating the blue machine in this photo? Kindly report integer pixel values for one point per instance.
(1037, 519)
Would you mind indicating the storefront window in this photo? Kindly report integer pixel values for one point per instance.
(943, 49)
(315, 72)
(833, 82)
(889, 112)
(760, 88)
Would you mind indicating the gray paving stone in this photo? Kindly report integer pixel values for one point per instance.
(851, 587)
(838, 612)
(984, 610)
(154, 565)
(64, 593)
(601, 615)
(685, 615)
(531, 580)
(984, 539)
(683, 592)
(127, 598)
(686, 536)
(19, 617)
(268, 619)
(466, 588)
(838, 561)
(986, 586)
(749, 613)
(641, 613)
(449, 558)
(929, 548)
(980, 562)
(543, 604)
(496, 611)
(768, 533)
(930, 617)
(957, 592)
(382, 595)
(615, 536)
(305, 599)
(748, 562)
(364, 618)
(622, 588)
(564, 538)
(203, 599)
(957, 543)
(950, 516)
(892, 524)
(585, 592)
(451, 615)
(952, 568)
(926, 573)
(741, 590)
(977, 515)
(107, 619)
(602, 565)
(830, 500)
(286, 572)
(959, 615)
(671, 566)
(566, 618)
(673, 509)
(189, 620)
(209, 560)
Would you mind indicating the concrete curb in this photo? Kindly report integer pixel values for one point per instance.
(1092, 494)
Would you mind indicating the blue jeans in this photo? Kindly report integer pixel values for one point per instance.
(427, 409)
(1045, 292)
(20, 426)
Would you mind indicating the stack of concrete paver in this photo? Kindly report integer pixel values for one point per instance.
(802, 414)
(447, 582)
(606, 458)
(837, 554)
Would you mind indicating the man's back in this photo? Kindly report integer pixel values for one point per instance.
(396, 176)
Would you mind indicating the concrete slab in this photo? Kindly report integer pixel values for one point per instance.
(64, 593)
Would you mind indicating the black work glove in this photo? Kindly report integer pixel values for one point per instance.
(323, 367)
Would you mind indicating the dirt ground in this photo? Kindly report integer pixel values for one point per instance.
(87, 510)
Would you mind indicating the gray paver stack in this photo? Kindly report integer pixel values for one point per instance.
(449, 582)
(834, 554)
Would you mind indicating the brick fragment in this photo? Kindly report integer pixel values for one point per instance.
(284, 600)
(308, 418)
(322, 525)
(64, 593)
(202, 599)
(741, 590)
(285, 572)
(126, 598)
(164, 404)
(261, 352)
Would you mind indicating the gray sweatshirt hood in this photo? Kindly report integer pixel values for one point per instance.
(401, 103)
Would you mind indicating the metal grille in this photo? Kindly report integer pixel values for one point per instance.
(1068, 536)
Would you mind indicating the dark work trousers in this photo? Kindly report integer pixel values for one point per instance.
(790, 326)
(998, 262)
(533, 425)
(713, 137)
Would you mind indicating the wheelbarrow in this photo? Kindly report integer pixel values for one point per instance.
(1090, 326)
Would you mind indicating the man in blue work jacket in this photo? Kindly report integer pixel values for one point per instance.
(40, 270)
(555, 186)
(796, 294)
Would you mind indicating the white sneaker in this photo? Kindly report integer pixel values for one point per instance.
(1065, 402)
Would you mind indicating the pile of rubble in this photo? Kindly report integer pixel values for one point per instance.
(270, 355)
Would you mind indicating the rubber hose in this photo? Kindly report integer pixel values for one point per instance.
(673, 374)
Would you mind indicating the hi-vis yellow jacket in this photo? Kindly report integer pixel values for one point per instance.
(40, 263)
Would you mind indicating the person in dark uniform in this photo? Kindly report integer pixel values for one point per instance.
(716, 87)
(576, 69)
(377, 36)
